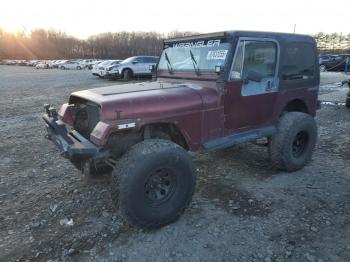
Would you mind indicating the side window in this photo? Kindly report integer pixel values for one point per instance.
(299, 62)
(147, 60)
(255, 57)
(138, 60)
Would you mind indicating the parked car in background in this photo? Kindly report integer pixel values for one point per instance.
(132, 67)
(42, 65)
(92, 64)
(100, 69)
(333, 62)
(33, 62)
(51, 63)
(70, 65)
(86, 63)
(11, 62)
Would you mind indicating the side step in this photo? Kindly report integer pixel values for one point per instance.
(239, 138)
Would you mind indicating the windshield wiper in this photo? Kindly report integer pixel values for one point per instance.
(170, 67)
(195, 65)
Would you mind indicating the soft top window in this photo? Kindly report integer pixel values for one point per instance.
(299, 62)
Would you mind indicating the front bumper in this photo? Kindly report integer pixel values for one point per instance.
(71, 144)
(112, 75)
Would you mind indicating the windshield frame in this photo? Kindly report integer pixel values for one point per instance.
(194, 44)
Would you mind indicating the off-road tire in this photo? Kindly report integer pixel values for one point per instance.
(127, 74)
(283, 146)
(129, 183)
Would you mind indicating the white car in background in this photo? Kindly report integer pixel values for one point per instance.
(51, 63)
(88, 63)
(133, 66)
(101, 68)
(42, 65)
(70, 65)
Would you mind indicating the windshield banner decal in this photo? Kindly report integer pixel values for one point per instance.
(198, 44)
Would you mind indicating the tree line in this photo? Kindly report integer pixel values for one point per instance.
(53, 44)
(333, 43)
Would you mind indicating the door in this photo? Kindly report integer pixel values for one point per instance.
(336, 63)
(148, 61)
(252, 87)
(137, 65)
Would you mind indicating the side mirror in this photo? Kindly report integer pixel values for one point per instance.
(254, 76)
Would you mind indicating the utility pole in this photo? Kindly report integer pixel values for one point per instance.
(295, 25)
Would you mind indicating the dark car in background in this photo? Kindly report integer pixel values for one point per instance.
(333, 62)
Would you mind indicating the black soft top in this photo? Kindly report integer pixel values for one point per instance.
(287, 37)
(280, 37)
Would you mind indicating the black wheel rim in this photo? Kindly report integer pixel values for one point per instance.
(300, 143)
(160, 186)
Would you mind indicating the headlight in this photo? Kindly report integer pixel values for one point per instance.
(114, 68)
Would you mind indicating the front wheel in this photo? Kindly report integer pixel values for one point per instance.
(291, 148)
(127, 73)
(153, 183)
(78, 68)
(323, 68)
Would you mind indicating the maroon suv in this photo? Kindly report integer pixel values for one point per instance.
(210, 92)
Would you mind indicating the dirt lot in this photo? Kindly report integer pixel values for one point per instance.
(243, 210)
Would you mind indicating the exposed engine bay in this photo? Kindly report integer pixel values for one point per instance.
(87, 115)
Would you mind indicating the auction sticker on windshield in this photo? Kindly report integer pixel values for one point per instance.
(217, 55)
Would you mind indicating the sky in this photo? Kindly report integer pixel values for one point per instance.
(83, 18)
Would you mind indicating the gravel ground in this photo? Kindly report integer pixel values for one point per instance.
(243, 210)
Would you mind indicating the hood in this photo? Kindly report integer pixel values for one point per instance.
(148, 99)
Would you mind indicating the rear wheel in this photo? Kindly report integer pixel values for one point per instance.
(63, 68)
(78, 67)
(292, 147)
(153, 183)
(127, 74)
(323, 68)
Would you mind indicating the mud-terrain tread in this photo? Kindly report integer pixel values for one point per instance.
(120, 185)
(288, 124)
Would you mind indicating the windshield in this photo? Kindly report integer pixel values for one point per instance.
(128, 60)
(104, 63)
(201, 55)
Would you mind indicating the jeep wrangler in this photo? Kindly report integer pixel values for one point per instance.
(209, 92)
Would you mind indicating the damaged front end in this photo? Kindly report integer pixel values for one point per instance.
(71, 137)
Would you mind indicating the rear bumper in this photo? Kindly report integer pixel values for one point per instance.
(71, 144)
